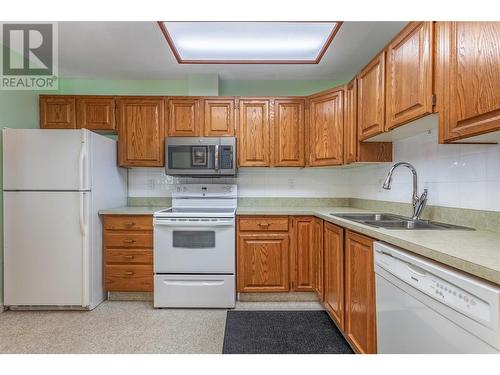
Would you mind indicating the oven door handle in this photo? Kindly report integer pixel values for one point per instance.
(168, 223)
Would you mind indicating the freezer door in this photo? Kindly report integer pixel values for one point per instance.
(35, 159)
(46, 243)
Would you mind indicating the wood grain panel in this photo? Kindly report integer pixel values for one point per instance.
(409, 74)
(371, 98)
(350, 122)
(128, 239)
(128, 278)
(95, 112)
(288, 131)
(374, 152)
(319, 257)
(128, 256)
(467, 71)
(184, 117)
(304, 256)
(263, 262)
(128, 222)
(360, 316)
(219, 117)
(326, 128)
(57, 112)
(334, 272)
(254, 132)
(141, 131)
(263, 223)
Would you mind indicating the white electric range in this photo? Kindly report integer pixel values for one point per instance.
(194, 248)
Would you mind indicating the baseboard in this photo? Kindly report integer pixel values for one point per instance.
(278, 297)
(130, 296)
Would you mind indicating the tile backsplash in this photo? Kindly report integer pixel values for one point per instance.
(463, 176)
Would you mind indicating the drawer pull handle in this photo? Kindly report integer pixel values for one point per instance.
(264, 225)
(128, 256)
(128, 273)
(130, 224)
(129, 241)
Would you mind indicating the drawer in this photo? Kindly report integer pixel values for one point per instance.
(128, 222)
(125, 278)
(194, 291)
(129, 239)
(132, 256)
(264, 223)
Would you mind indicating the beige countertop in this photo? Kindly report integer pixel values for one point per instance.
(475, 252)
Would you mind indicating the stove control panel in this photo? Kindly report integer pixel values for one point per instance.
(205, 191)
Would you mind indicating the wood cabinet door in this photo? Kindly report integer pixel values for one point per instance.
(304, 256)
(371, 98)
(141, 132)
(288, 132)
(253, 133)
(334, 272)
(263, 262)
(95, 112)
(409, 74)
(184, 117)
(57, 112)
(318, 258)
(219, 117)
(350, 122)
(360, 318)
(326, 128)
(467, 79)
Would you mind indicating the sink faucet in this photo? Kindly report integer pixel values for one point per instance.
(418, 202)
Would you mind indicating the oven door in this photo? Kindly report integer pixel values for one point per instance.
(189, 245)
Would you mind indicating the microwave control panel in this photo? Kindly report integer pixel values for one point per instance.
(226, 160)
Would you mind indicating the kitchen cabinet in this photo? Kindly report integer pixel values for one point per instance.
(95, 112)
(467, 84)
(141, 131)
(263, 255)
(254, 132)
(326, 128)
(219, 117)
(371, 98)
(184, 117)
(128, 253)
(318, 259)
(288, 132)
(304, 263)
(409, 74)
(360, 318)
(334, 272)
(57, 112)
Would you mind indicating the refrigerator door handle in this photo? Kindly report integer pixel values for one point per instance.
(85, 249)
(81, 161)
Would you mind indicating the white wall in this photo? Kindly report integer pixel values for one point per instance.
(466, 176)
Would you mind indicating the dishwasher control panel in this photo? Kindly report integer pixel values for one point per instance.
(419, 274)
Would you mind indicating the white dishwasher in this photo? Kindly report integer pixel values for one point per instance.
(425, 307)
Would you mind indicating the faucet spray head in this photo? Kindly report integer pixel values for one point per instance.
(387, 182)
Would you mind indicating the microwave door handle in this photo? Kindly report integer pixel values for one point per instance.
(217, 157)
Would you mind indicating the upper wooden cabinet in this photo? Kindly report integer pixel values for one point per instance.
(333, 239)
(57, 112)
(141, 131)
(467, 80)
(218, 117)
(409, 74)
(95, 112)
(360, 317)
(288, 132)
(371, 98)
(326, 128)
(350, 122)
(184, 117)
(254, 132)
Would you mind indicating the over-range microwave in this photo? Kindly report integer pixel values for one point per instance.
(200, 156)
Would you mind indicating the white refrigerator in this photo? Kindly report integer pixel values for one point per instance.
(54, 184)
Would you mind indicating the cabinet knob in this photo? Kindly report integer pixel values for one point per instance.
(129, 225)
(128, 241)
(263, 225)
(128, 256)
(128, 273)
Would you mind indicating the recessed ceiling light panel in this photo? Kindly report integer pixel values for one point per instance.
(249, 42)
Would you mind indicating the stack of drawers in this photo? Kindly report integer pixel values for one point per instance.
(128, 253)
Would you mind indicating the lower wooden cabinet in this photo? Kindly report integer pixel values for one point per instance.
(263, 262)
(360, 318)
(128, 253)
(333, 238)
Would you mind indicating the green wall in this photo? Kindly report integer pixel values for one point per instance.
(19, 109)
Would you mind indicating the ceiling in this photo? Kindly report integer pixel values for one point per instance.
(138, 50)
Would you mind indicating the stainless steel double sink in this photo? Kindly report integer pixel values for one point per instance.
(390, 221)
